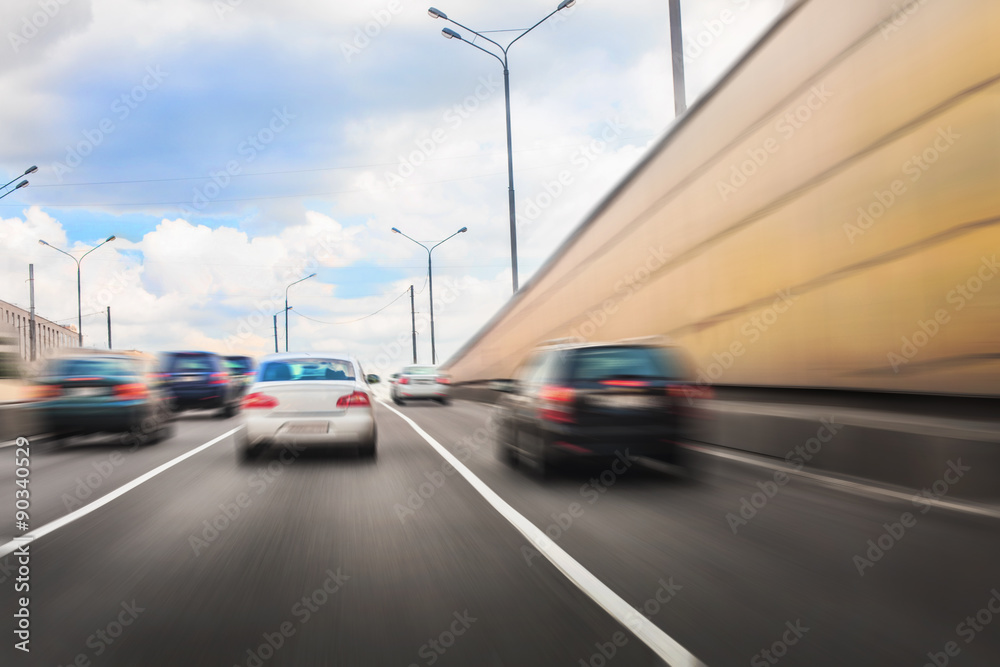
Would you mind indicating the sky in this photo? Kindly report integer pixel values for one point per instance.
(234, 147)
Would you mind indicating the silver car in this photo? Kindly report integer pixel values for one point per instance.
(308, 400)
(421, 383)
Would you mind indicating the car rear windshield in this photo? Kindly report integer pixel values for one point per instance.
(102, 367)
(238, 364)
(420, 370)
(290, 370)
(601, 363)
(191, 363)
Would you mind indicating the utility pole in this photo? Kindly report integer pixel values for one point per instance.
(31, 326)
(276, 333)
(413, 324)
(677, 56)
(109, 327)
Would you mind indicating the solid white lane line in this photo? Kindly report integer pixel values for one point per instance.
(849, 486)
(17, 542)
(648, 633)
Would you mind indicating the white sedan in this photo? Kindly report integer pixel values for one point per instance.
(308, 400)
(420, 382)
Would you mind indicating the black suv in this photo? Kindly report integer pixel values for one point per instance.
(199, 381)
(597, 400)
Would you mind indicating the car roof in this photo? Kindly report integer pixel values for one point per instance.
(280, 356)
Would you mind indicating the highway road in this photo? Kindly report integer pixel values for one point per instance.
(326, 559)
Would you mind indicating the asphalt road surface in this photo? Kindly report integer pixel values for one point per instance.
(327, 559)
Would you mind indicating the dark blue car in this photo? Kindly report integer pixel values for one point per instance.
(199, 381)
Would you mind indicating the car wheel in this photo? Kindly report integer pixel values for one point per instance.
(539, 461)
(444, 401)
(397, 400)
(164, 432)
(227, 411)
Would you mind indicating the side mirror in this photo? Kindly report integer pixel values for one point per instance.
(372, 379)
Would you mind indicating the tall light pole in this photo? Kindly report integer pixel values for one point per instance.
(430, 282)
(30, 170)
(677, 56)
(451, 34)
(79, 300)
(287, 307)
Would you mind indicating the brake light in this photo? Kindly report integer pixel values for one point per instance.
(444, 380)
(134, 391)
(358, 399)
(404, 380)
(44, 392)
(690, 391)
(556, 404)
(625, 383)
(259, 401)
(218, 378)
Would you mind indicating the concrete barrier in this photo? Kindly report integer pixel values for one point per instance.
(16, 419)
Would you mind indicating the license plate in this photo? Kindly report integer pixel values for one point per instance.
(85, 391)
(312, 428)
(189, 378)
(627, 402)
(423, 381)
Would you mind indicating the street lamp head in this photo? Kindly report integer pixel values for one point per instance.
(450, 34)
(396, 231)
(20, 185)
(463, 230)
(30, 170)
(40, 241)
(311, 275)
(565, 3)
(110, 238)
(437, 13)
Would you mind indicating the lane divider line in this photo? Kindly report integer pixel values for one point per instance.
(848, 486)
(33, 535)
(648, 633)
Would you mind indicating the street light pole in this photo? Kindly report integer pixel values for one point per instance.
(430, 284)
(79, 297)
(677, 56)
(451, 34)
(30, 170)
(287, 307)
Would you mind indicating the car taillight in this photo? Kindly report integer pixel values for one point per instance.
(556, 404)
(404, 380)
(133, 391)
(443, 380)
(218, 378)
(259, 401)
(690, 391)
(625, 383)
(44, 392)
(358, 399)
